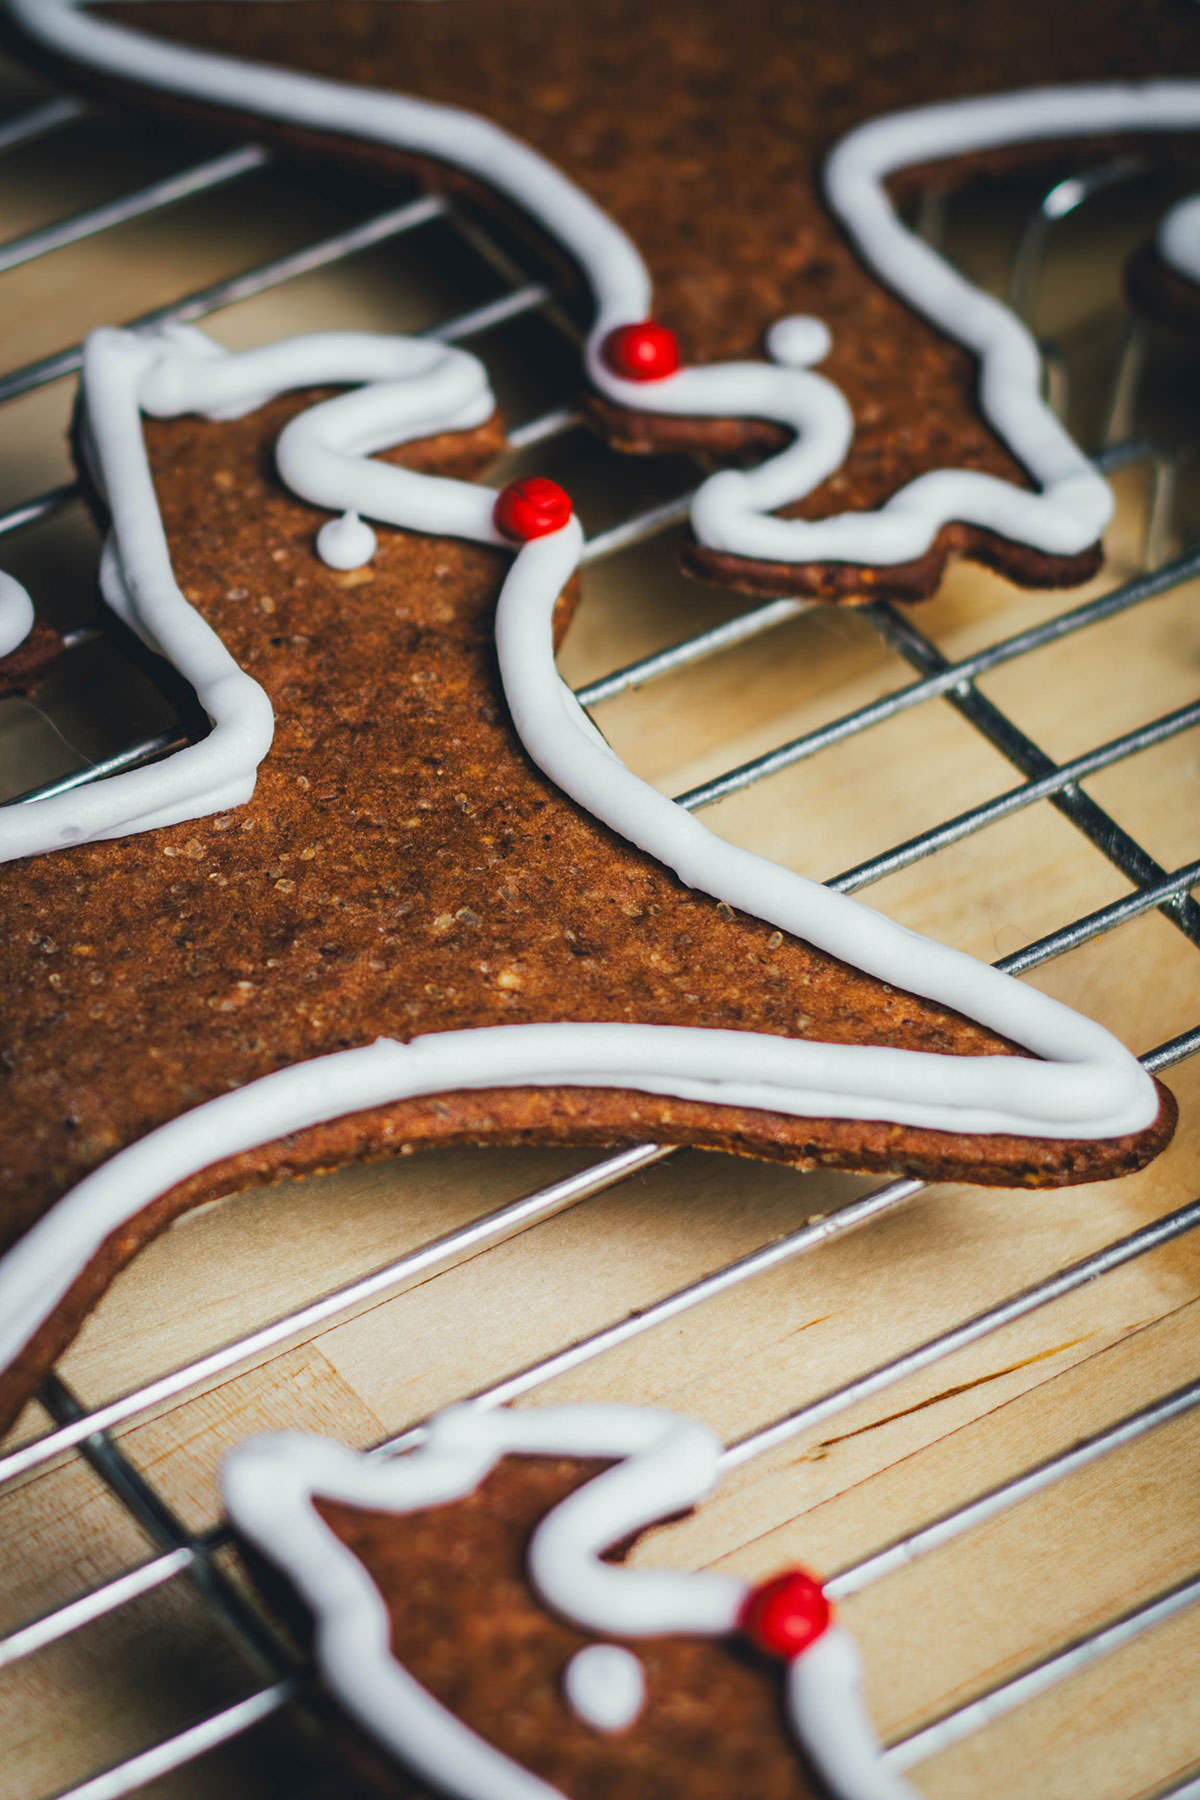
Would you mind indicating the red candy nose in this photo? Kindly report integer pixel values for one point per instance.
(785, 1615)
(646, 351)
(531, 508)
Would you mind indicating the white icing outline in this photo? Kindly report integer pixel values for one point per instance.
(1178, 238)
(138, 582)
(663, 1462)
(605, 1686)
(826, 1711)
(418, 387)
(1093, 1089)
(1089, 1086)
(733, 511)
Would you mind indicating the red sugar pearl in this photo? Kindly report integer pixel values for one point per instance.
(531, 508)
(646, 351)
(785, 1615)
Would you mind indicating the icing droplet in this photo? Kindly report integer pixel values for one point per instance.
(605, 1686)
(531, 508)
(16, 614)
(785, 1615)
(799, 341)
(646, 351)
(346, 543)
(1179, 238)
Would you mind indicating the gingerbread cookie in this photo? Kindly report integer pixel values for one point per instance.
(468, 1617)
(721, 179)
(404, 892)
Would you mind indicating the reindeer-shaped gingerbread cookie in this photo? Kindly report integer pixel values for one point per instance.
(466, 1617)
(436, 906)
(402, 892)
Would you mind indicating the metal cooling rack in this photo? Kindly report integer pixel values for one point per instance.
(185, 1555)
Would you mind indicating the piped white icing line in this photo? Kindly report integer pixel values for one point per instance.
(825, 1706)
(269, 1485)
(662, 1462)
(1178, 238)
(417, 387)
(1088, 1087)
(138, 582)
(462, 139)
(733, 511)
(16, 614)
(605, 1686)
(667, 1464)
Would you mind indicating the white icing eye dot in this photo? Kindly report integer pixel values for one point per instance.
(799, 342)
(346, 543)
(605, 1686)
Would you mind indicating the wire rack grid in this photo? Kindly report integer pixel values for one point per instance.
(961, 678)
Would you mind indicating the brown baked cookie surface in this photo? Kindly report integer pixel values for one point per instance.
(467, 1625)
(24, 668)
(401, 869)
(702, 131)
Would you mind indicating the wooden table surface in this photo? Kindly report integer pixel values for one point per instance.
(951, 1624)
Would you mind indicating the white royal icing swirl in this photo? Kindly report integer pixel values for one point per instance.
(662, 1462)
(1089, 1086)
(733, 511)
